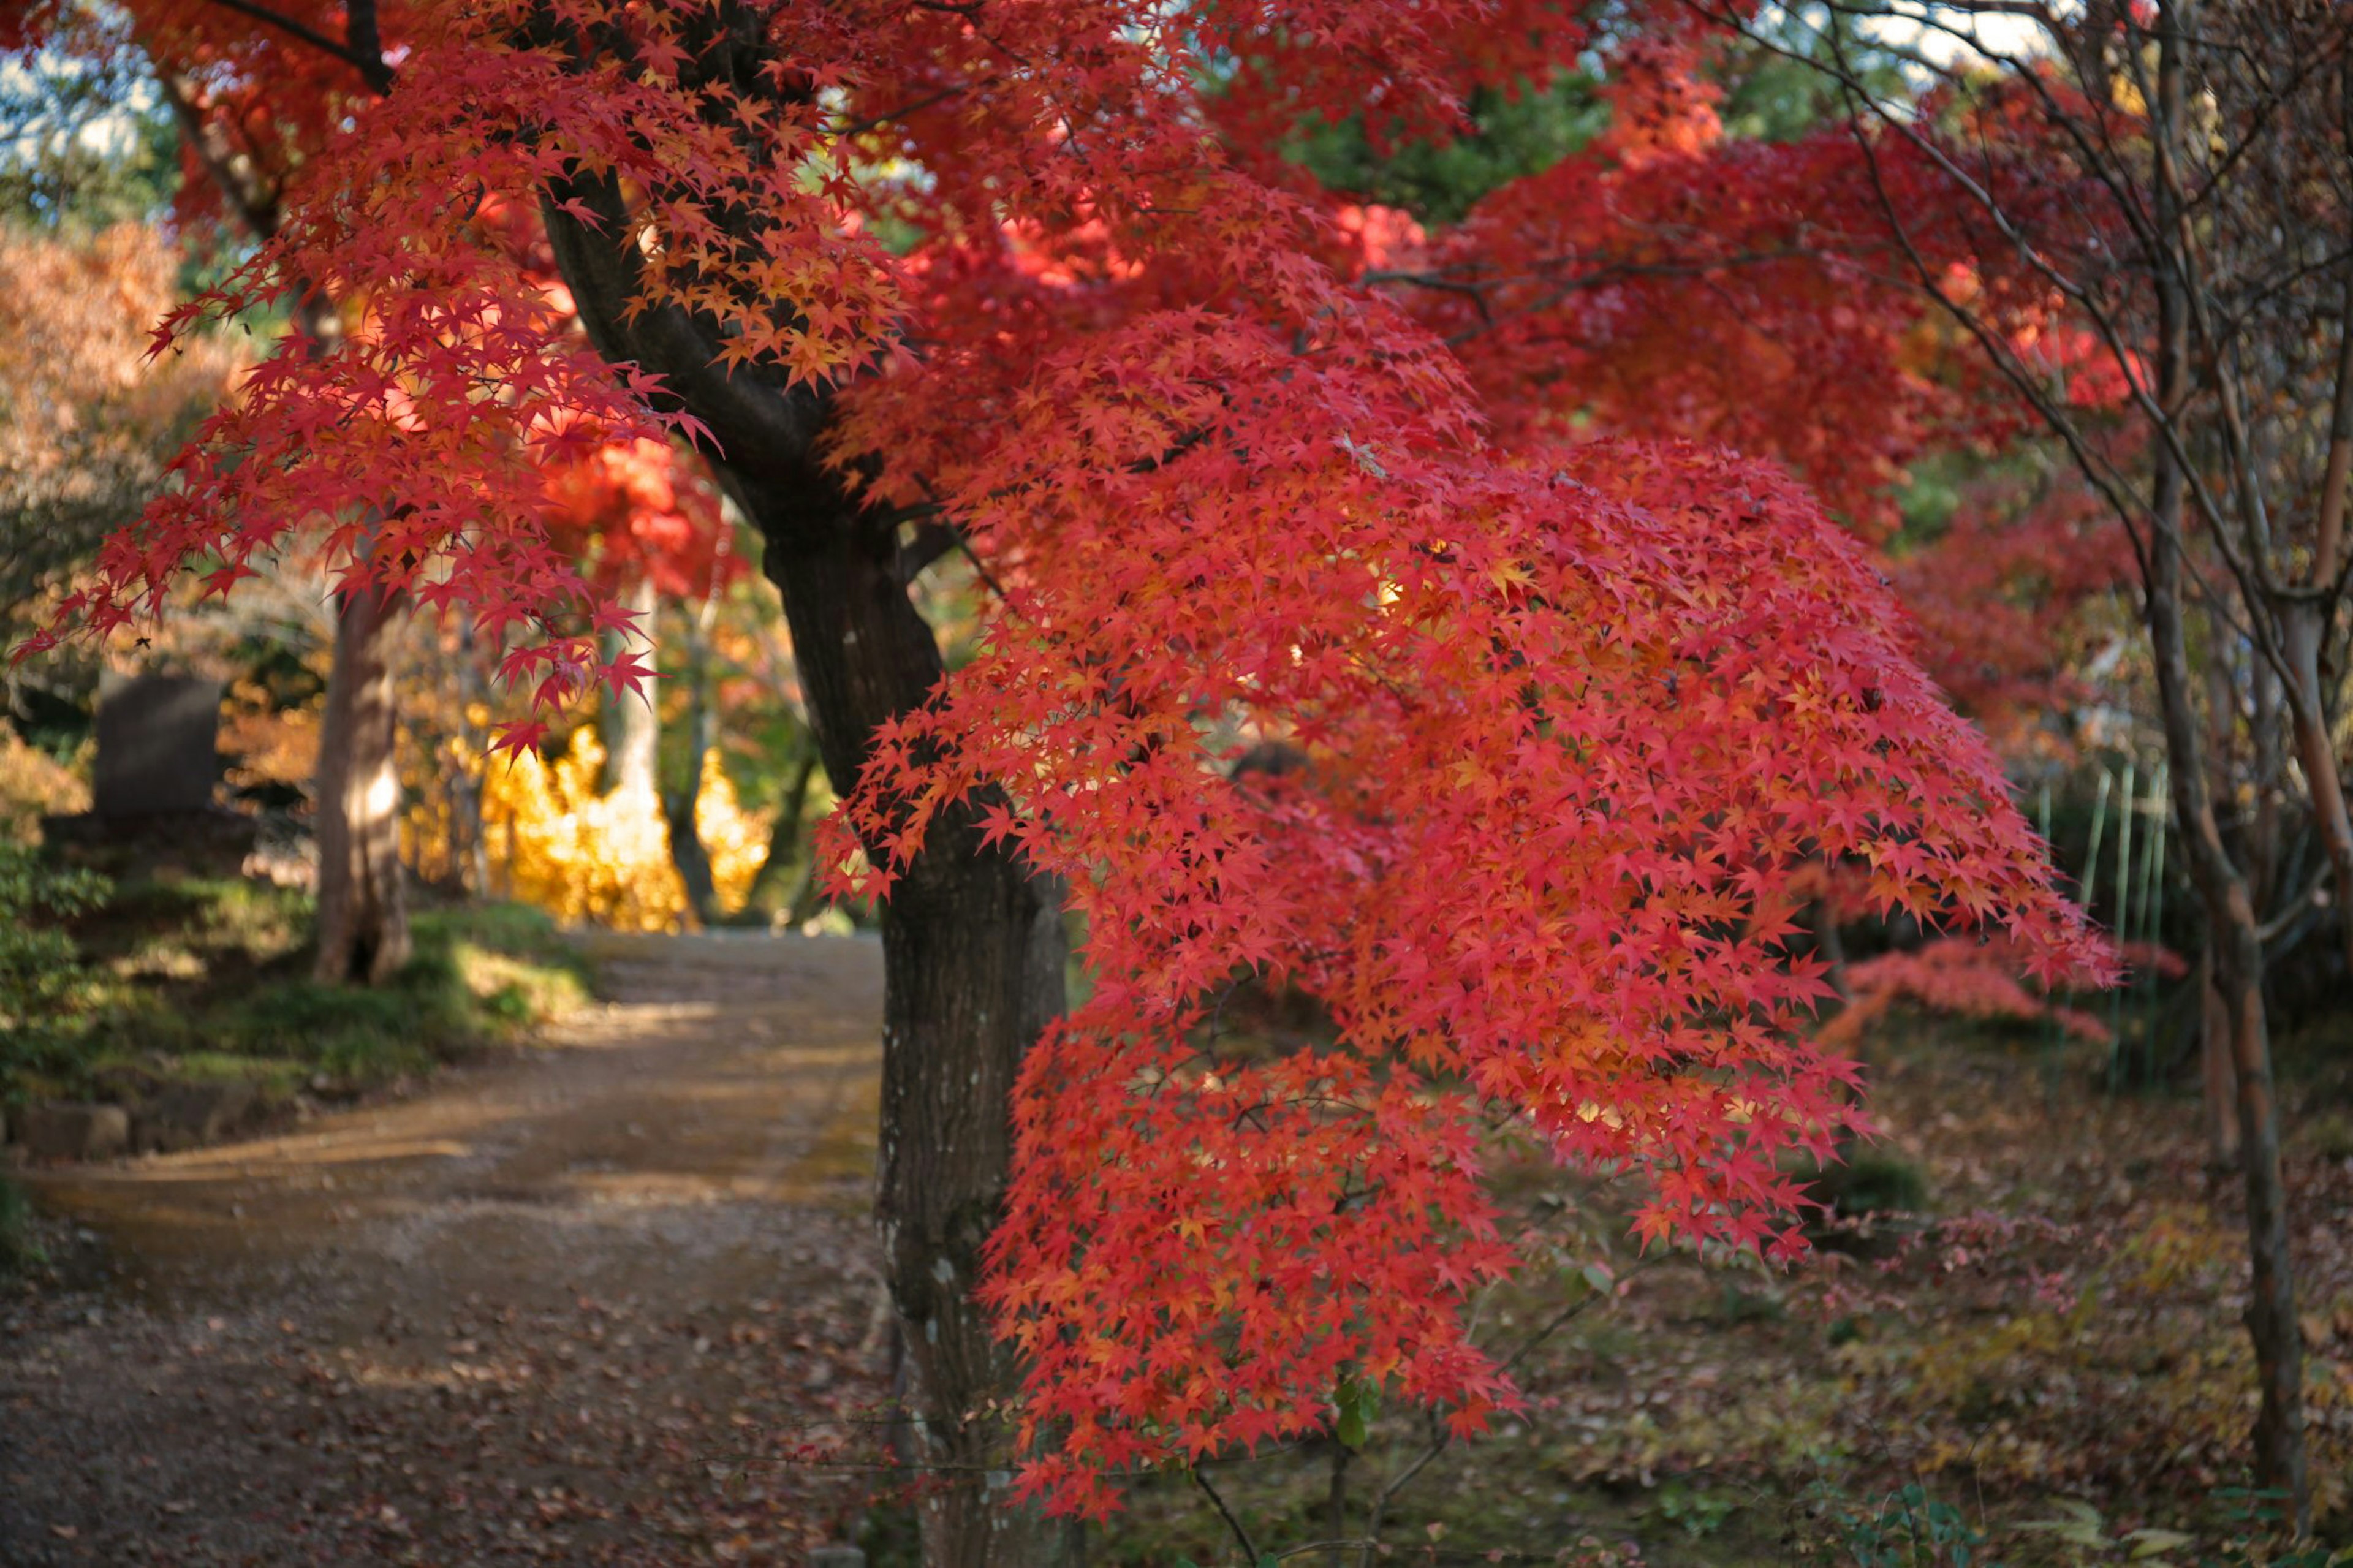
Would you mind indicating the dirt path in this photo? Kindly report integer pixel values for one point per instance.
(571, 1308)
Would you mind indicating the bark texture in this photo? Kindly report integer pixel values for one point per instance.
(363, 914)
(972, 956)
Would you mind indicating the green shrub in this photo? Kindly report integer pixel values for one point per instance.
(18, 1250)
(1868, 1182)
(198, 977)
(478, 975)
(41, 970)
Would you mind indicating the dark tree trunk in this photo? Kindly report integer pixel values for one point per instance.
(688, 854)
(687, 851)
(785, 839)
(973, 947)
(973, 954)
(362, 916)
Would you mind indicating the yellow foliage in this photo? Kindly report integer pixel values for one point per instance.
(601, 859)
(33, 786)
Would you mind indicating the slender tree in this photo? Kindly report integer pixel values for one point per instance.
(2172, 187)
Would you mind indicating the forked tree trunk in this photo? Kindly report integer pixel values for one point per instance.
(362, 921)
(2238, 967)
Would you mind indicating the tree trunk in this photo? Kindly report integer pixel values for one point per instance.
(687, 852)
(973, 948)
(363, 917)
(973, 954)
(2237, 943)
(2305, 624)
(785, 837)
(472, 689)
(2232, 926)
(2219, 1077)
(630, 727)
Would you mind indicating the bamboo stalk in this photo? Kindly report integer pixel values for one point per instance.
(2153, 904)
(2123, 925)
(2092, 855)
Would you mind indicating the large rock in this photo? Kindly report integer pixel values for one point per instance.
(153, 783)
(837, 1557)
(188, 1114)
(158, 739)
(68, 1130)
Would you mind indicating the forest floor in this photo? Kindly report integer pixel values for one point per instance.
(614, 1300)
(546, 1312)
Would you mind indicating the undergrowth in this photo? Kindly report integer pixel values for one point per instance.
(2018, 1343)
(208, 979)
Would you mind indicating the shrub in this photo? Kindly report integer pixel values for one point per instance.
(40, 968)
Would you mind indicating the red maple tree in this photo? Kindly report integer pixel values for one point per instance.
(1578, 717)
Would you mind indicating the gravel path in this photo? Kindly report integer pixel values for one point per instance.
(579, 1307)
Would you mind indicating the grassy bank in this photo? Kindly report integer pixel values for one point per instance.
(206, 979)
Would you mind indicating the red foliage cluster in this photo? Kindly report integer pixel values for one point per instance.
(642, 516)
(1969, 979)
(1994, 595)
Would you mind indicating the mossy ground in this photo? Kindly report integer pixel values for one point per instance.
(208, 979)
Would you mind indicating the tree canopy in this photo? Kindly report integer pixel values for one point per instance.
(1580, 718)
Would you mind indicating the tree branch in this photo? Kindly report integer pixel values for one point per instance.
(1249, 1548)
(372, 68)
(762, 426)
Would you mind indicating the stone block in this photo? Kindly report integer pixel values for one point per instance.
(186, 1115)
(158, 745)
(70, 1130)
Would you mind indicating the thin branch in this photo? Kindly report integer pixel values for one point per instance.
(1249, 1548)
(373, 71)
(860, 127)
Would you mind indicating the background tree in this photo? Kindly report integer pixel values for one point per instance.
(243, 134)
(2174, 183)
(653, 532)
